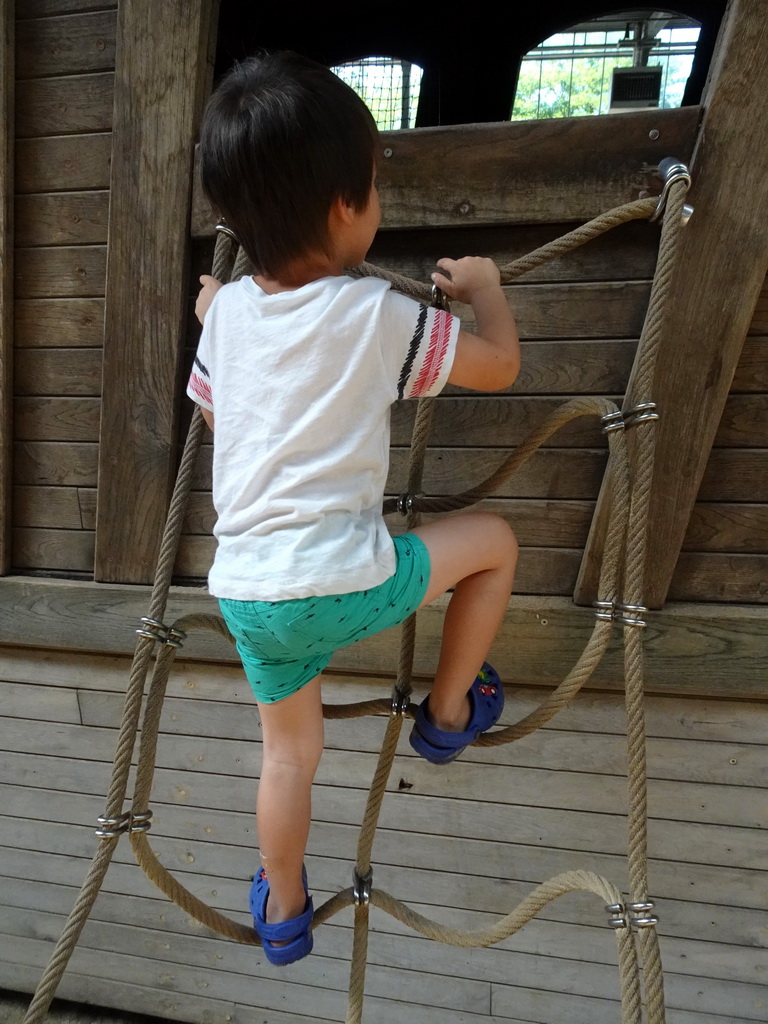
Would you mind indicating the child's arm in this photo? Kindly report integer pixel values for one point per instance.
(490, 359)
(205, 295)
(204, 300)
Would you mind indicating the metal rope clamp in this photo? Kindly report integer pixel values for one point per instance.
(630, 614)
(361, 887)
(439, 299)
(175, 637)
(222, 228)
(153, 630)
(405, 503)
(612, 421)
(141, 822)
(643, 412)
(605, 610)
(671, 171)
(400, 703)
(640, 916)
(617, 915)
(111, 828)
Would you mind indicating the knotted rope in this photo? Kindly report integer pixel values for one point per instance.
(626, 535)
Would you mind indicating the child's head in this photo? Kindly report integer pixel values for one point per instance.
(282, 138)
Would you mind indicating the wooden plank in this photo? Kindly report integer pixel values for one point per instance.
(430, 858)
(759, 323)
(502, 422)
(65, 323)
(716, 526)
(752, 369)
(59, 464)
(599, 714)
(614, 309)
(62, 218)
(47, 8)
(540, 570)
(54, 507)
(735, 475)
(495, 422)
(72, 44)
(625, 253)
(691, 648)
(56, 419)
(55, 550)
(701, 793)
(715, 288)
(403, 950)
(198, 951)
(681, 918)
(553, 472)
(536, 523)
(525, 172)
(398, 948)
(710, 576)
(64, 106)
(21, 701)
(158, 98)
(59, 372)
(61, 271)
(7, 133)
(65, 163)
(559, 942)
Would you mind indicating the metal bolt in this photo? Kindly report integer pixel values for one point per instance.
(387, 153)
(464, 208)
(653, 134)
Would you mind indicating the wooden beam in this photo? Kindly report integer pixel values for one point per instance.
(723, 260)
(158, 98)
(521, 172)
(7, 64)
(710, 650)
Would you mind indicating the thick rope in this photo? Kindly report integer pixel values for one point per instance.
(226, 263)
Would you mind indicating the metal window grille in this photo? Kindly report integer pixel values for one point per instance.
(389, 87)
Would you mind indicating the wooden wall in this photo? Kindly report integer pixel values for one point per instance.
(514, 816)
(580, 318)
(462, 844)
(64, 90)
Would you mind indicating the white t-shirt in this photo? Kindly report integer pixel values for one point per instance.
(301, 384)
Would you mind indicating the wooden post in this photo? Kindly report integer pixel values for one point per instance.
(7, 71)
(723, 262)
(163, 69)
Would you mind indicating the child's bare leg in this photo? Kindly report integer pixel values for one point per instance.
(293, 742)
(476, 554)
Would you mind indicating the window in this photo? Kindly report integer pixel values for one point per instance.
(571, 73)
(389, 87)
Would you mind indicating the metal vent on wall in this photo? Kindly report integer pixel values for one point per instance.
(635, 88)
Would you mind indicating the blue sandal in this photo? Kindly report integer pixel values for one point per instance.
(296, 932)
(486, 698)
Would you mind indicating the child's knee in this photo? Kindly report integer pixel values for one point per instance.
(498, 536)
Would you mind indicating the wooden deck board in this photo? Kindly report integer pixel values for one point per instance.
(461, 845)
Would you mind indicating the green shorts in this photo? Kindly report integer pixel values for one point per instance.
(284, 644)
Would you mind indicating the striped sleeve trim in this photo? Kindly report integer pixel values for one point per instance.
(199, 386)
(423, 368)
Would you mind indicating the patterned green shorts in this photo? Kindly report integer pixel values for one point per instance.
(284, 644)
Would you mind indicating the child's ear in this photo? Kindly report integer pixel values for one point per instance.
(342, 211)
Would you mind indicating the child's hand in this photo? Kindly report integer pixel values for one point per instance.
(205, 298)
(466, 277)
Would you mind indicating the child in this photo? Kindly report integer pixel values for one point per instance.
(300, 365)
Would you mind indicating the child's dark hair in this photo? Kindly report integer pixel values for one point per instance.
(283, 137)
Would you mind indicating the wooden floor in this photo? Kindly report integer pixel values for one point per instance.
(461, 844)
